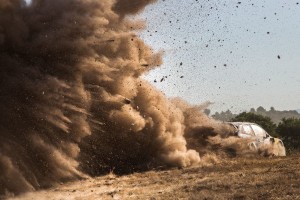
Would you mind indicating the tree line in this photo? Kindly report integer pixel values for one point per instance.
(275, 115)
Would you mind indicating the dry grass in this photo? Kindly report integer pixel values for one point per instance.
(240, 178)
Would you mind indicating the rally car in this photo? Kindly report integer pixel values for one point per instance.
(259, 139)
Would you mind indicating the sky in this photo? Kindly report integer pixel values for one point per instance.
(236, 54)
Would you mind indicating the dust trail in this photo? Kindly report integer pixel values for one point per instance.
(72, 102)
(208, 136)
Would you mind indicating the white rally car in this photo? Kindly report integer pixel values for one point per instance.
(260, 139)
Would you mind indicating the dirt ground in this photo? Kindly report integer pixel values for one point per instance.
(238, 178)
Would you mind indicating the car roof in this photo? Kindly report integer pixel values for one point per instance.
(241, 123)
(237, 124)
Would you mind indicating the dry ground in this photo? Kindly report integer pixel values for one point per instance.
(239, 178)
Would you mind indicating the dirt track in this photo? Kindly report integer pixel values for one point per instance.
(251, 178)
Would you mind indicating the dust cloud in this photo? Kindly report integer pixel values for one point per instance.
(72, 101)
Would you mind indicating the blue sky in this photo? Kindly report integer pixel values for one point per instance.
(227, 52)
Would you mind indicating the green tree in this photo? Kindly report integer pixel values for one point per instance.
(265, 122)
(272, 109)
(224, 116)
(260, 109)
(289, 129)
(207, 111)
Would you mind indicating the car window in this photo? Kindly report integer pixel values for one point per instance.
(246, 129)
(259, 132)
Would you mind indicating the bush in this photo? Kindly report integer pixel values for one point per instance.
(289, 130)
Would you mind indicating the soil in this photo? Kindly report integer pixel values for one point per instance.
(237, 178)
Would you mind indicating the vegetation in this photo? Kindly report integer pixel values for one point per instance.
(275, 115)
(289, 130)
(224, 116)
